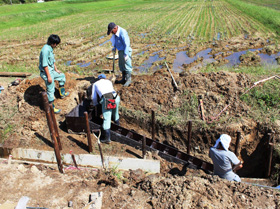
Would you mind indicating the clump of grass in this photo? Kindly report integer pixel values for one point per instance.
(114, 171)
(6, 125)
(264, 100)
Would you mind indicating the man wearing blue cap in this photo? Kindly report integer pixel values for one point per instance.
(223, 159)
(120, 40)
(103, 93)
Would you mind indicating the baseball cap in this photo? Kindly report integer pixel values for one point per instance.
(101, 76)
(110, 27)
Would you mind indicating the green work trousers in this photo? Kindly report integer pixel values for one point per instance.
(125, 66)
(60, 77)
(109, 115)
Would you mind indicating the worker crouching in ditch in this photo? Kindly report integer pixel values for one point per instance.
(120, 41)
(103, 93)
(48, 71)
(223, 159)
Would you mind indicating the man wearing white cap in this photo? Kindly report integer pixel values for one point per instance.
(103, 93)
(223, 159)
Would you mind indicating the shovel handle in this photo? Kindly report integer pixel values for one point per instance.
(114, 61)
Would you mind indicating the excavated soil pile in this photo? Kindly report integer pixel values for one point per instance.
(46, 187)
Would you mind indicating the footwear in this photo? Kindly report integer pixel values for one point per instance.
(127, 79)
(105, 136)
(117, 122)
(122, 81)
(56, 111)
(62, 92)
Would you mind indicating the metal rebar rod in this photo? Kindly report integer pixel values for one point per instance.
(55, 127)
(237, 143)
(144, 147)
(270, 154)
(153, 125)
(52, 131)
(173, 79)
(88, 132)
(74, 160)
(189, 137)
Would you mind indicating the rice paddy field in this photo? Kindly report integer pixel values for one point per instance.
(164, 25)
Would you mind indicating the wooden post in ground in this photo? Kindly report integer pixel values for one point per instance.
(153, 125)
(88, 132)
(55, 127)
(144, 147)
(52, 131)
(189, 137)
(237, 143)
(270, 154)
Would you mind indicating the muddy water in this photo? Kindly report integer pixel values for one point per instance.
(265, 58)
(84, 64)
(182, 58)
(144, 68)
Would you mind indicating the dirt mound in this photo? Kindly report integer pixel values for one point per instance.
(136, 190)
(157, 93)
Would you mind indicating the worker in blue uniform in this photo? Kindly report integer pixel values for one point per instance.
(120, 41)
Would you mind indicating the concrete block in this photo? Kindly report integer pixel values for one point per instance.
(88, 160)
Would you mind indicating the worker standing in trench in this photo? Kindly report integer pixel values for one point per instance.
(120, 41)
(48, 71)
(223, 159)
(103, 93)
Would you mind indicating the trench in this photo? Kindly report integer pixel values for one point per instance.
(253, 149)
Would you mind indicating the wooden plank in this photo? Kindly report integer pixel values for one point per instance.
(14, 74)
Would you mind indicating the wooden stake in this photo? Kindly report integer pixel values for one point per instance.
(189, 137)
(88, 132)
(52, 132)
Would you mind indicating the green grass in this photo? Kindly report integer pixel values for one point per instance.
(268, 16)
(274, 4)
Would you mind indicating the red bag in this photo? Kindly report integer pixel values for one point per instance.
(110, 104)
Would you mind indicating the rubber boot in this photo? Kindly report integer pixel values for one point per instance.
(62, 92)
(127, 79)
(117, 122)
(56, 111)
(122, 81)
(105, 136)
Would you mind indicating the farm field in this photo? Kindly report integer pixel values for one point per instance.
(217, 51)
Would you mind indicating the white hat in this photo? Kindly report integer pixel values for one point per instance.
(225, 141)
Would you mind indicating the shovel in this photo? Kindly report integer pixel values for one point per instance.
(100, 150)
(114, 57)
(114, 53)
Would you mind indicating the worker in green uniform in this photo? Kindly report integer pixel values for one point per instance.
(48, 71)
